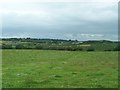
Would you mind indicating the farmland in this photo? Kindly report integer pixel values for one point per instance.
(58, 44)
(59, 69)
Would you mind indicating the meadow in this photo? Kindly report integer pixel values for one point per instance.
(59, 69)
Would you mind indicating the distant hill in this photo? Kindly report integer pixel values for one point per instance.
(58, 44)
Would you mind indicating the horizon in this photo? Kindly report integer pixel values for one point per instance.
(60, 39)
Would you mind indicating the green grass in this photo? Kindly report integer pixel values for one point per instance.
(59, 69)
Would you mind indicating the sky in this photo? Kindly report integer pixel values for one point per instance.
(59, 19)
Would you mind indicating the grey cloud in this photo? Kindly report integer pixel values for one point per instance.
(61, 20)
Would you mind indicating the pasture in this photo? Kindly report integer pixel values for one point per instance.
(59, 69)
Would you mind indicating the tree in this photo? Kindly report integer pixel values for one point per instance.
(38, 47)
(19, 46)
(5, 46)
(90, 49)
(117, 48)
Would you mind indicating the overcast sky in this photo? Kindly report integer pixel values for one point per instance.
(70, 19)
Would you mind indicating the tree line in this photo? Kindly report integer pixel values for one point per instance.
(56, 44)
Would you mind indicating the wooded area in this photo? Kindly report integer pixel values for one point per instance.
(58, 44)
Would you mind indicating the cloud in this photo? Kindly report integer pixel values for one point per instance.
(32, 1)
(92, 35)
(59, 20)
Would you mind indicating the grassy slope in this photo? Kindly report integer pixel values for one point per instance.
(45, 69)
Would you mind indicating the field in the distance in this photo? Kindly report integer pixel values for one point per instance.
(59, 69)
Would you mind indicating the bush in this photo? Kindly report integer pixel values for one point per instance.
(4, 46)
(117, 48)
(107, 50)
(20, 47)
(38, 47)
(90, 49)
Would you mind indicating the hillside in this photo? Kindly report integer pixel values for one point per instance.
(58, 44)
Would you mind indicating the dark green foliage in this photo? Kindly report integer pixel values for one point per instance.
(6, 46)
(107, 50)
(58, 44)
(0, 46)
(117, 48)
(38, 47)
(19, 46)
(90, 49)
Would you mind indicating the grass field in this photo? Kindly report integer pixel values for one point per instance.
(59, 69)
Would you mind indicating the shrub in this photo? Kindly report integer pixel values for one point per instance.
(19, 46)
(38, 47)
(4, 46)
(108, 50)
(117, 48)
(90, 49)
